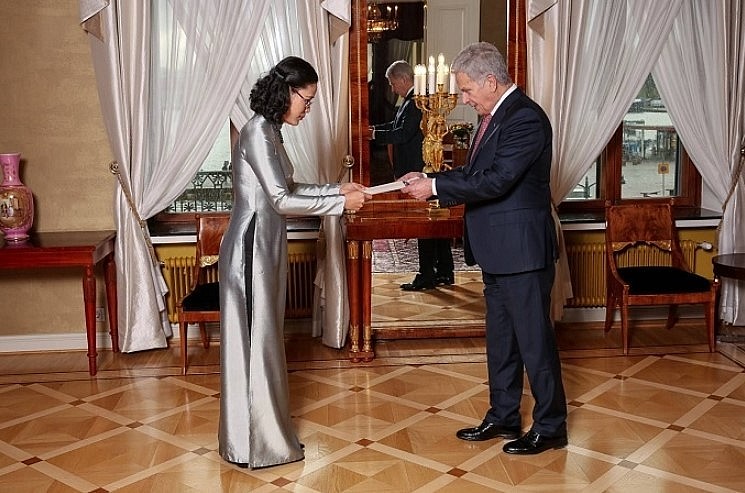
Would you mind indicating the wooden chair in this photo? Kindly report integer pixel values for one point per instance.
(631, 226)
(202, 303)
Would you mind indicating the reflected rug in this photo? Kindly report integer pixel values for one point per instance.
(402, 256)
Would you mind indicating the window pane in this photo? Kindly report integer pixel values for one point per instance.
(587, 188)
(650, 166)
(211, 187)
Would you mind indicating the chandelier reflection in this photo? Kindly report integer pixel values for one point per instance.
(379, 21)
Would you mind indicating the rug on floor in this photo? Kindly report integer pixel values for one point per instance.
(402, 256)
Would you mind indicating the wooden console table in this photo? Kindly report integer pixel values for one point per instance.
(387, 216)
(84, 249)
(730, 265)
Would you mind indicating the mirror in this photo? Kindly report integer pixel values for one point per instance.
(404, 42)
(367, 62)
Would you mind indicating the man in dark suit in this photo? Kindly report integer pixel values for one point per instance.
(404, 132)
(509, 232)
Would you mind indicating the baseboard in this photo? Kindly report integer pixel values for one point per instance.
(51, 342)
(582, 315)
(78, 341)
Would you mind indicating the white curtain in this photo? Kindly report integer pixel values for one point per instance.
(587, 60)
(317, 32)
(162, 119)
(701, 77)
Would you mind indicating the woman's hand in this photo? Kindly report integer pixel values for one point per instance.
(353, 201)
(351, 187)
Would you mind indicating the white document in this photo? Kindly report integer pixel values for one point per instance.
(386, 187)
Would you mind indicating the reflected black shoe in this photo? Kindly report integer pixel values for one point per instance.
(418, 284)
(533, 443)
(487, 431)
(447, 280)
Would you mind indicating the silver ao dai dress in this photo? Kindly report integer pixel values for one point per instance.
(255, 426)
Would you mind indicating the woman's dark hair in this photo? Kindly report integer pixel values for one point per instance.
(270, 96)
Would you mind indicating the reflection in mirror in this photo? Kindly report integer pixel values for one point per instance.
(403, 42)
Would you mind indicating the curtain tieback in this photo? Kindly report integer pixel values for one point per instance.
(733, 186)
(114, 168)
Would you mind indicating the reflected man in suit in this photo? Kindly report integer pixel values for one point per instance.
(509, 232)
(405, 134)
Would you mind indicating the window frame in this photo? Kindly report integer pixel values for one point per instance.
(611, 169)
(610, 158)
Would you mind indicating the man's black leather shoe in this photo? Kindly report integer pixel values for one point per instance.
(487, 431)
(445, 280)
(533, 443)
(418, 284)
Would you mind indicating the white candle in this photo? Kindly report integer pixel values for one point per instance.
(431, 75)
(453, 85)
(420, 76)
(442, 71)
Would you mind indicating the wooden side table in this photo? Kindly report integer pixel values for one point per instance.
(731, 265)
(85, 249)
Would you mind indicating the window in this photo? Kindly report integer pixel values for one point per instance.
(644, 160)
(211, 188)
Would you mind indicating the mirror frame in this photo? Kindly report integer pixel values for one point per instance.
(359, 103)
(516, 58)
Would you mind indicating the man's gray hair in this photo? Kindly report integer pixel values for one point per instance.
(400, 69)
(478, 60)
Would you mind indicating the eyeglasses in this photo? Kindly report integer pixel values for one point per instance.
(308, 101)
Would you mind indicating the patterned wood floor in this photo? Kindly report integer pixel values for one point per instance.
(659, 420)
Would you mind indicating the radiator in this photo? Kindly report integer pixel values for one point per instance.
(587, 268)
(301, 271)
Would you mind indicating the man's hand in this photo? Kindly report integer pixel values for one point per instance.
(418, 187)
(411, 176)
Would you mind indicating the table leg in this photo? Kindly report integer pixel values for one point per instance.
(366, 297)
(353, 269)
(111, 301)
(89, 300)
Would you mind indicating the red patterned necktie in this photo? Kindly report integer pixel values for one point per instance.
(482, 130)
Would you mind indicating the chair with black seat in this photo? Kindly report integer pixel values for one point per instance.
(631, 226)
(202, 303)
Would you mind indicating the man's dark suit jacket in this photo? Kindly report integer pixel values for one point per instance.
(508, 226)
(405, 135)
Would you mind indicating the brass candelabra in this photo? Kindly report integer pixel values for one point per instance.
(435, 109)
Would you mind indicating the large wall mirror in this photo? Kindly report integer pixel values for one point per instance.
(421, 28)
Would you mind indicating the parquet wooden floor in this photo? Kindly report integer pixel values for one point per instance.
(664, 419)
